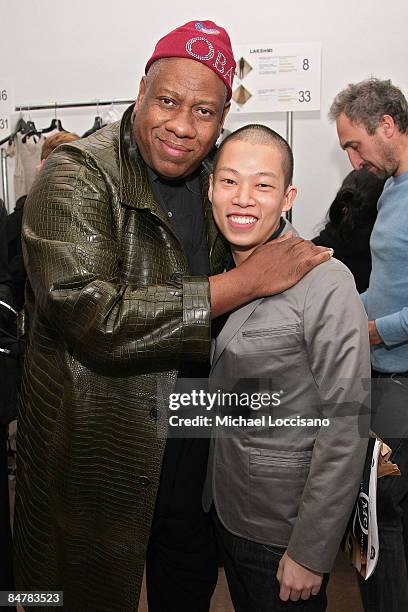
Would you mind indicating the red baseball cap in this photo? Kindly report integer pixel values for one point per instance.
(204, 42)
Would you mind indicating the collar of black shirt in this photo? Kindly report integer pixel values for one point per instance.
(192, 181)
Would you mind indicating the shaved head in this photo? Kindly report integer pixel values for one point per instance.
(258, 134)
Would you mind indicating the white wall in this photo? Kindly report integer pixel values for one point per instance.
(72, 50)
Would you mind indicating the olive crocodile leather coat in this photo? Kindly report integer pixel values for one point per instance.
(112, 313)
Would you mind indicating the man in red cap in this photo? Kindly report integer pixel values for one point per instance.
(126, 271)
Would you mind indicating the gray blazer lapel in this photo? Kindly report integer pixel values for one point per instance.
(234, 323)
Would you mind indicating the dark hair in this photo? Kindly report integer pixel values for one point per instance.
(355, 204)
(256, 133)
(368, 101)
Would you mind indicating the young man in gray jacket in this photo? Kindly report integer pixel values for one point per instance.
(283, 488)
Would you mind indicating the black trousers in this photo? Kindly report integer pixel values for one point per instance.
(251, 569)
(6, 563)
(182, 560)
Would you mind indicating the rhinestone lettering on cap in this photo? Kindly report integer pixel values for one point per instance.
(189, 48)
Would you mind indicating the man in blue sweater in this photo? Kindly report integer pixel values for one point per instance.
(372, 126)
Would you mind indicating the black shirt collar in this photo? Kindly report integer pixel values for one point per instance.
(192, 181)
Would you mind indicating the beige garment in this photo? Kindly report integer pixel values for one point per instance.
(28, 156)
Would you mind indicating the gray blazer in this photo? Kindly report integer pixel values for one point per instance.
(295, 487)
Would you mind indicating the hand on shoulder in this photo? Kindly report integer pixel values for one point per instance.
(272, 268)
(277, 265)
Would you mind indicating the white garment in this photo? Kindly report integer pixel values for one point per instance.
(112, 115)
(27, 158)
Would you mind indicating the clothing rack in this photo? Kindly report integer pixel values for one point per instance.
(55, 105)
(4, 177)
(51, 106)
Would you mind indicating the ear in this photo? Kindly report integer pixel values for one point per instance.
(387, 124)
(289, 197)
(210, 187)
(224, 114)
(141, 94)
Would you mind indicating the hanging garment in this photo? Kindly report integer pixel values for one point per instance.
(112, 115)
(27, 153)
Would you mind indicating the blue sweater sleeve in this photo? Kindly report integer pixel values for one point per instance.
(393, 328)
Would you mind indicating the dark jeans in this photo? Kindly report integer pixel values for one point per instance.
(251, 569)
(182, 559)
(387, 589)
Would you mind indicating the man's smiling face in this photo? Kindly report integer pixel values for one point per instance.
(248, 194)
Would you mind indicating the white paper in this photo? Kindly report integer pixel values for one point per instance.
(277, 77)
(373, 542)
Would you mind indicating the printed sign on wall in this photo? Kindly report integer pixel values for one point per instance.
(6, 106)
(277, 77)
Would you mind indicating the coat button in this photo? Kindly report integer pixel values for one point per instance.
(154, 414)
(143, 481)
